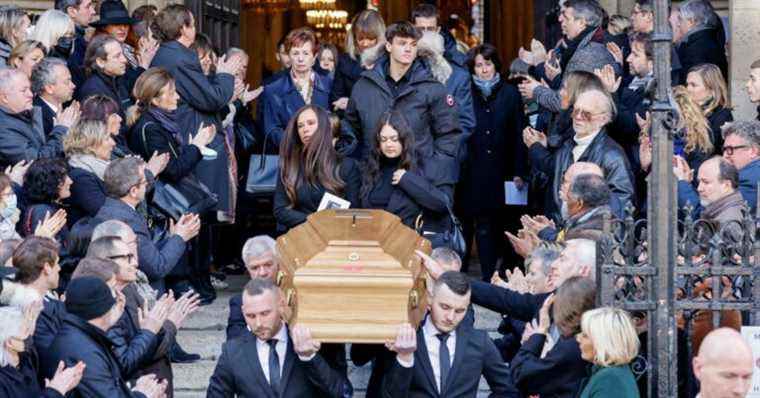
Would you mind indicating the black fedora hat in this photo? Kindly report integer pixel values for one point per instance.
(113, 13)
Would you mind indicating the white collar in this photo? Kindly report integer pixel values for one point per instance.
(585, 141)
(281, 336)
(429, 328)
(53, 107)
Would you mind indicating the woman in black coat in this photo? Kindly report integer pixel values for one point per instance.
(154, 127)
(496, 154)
(310, 167)
(367, 31)
(18, 367)
(706, 87)
(155, 130)
(392, 180)
(46, 186)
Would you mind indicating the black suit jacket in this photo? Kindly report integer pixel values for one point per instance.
(48, 115)
(475, 355)
(239, 373)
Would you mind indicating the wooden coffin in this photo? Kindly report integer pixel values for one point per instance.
(352, 275)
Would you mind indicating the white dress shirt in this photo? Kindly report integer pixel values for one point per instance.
(281, 347)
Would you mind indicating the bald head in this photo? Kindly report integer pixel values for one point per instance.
(724, 365)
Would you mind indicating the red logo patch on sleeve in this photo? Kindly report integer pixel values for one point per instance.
(449, 100)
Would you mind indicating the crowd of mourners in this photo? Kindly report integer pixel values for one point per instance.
(125, 139)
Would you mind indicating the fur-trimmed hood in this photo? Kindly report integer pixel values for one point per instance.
(369, 57)
(430, 48)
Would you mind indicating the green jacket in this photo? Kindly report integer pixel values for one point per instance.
(610, 381)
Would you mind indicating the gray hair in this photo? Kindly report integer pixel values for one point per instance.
(591, 189)
(748, 130)
(44, 74)
(104, 246)
(10, 18)
(114, 228)
(259, 246)
(585, 254)
(7, 79)
(545, 254)
(698, 12)
(232, 51)
(12, 319)
(587, 10)
(446, 256)
(121, 175)
(51, 26)
(63, 5)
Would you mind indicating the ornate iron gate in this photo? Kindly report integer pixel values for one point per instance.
(219, 19)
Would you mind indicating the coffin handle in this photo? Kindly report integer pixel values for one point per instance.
(280, 277)
(414, 299)
(290, 297)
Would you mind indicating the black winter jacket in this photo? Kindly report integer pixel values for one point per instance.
(148, 136)
(116, 88)
(603, 151)
(80, 341)
(412, 197)
(88, 193)
(423, 100)
(702, 47)
(347, 72)
(22, 381)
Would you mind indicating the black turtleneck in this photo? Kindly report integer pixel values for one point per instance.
(381, 192)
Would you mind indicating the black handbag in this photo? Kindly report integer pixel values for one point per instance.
(188, 195)
(263, 172)
(453, 238)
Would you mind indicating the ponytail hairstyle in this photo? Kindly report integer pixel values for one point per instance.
(148, 87)
(408, 159)
(314, 164)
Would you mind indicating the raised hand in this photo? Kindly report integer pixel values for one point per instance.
(182, 308)
(544, 321)
(228, 65)
(66, 379)
(607, 75)
(18, 171)
(157, 162)
(616, 52)
(154, 319)
(249, 96)
(528, 87)
(148, 47)
(644, 123)
(204, 136)
(433, 268)
(497, 281)
(188, 226)
(50, 226)
(303, 344)
(405, 343)
(532, 136)
(149, 386)
(69, 116)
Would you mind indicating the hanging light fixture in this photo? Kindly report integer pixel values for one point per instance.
(266, 6)
(327, 19)
(317, 4)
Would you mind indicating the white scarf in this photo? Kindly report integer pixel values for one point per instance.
(90, 163)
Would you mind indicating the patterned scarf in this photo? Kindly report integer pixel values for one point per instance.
(486, 86)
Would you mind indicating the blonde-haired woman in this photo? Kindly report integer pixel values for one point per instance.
(706, 86)
(363, 43)
(55, 30)
(608, 339)
(26, 55)
(88, 147)
(14, 24)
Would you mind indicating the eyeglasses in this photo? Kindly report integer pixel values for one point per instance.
(584, 115)
(128, 256)
(729, 150)
(141, 183)
(428, 28)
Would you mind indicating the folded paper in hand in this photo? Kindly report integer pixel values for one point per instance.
(330, 201)
(514, 196)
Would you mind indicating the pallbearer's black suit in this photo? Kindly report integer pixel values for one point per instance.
(474, 355)
(240, 373)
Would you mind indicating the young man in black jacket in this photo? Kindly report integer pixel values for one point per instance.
(401, 81)
(445, 357)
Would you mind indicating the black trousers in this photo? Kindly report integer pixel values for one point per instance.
(488, 232)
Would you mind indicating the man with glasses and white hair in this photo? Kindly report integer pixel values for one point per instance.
(592, 112)
(701, 41)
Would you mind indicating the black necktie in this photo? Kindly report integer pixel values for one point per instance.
(443, 358)
(274, 366)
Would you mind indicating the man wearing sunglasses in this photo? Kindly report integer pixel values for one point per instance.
(593, 110)
(741, 148)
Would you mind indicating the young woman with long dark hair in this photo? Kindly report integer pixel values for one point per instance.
(392, 180)
(310, 167)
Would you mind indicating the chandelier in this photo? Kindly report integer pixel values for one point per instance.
(317, 4)
(327, 19)
(266, 6)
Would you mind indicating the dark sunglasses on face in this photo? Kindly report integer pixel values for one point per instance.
(729, 150)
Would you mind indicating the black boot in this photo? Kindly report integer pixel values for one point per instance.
(178, 355)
